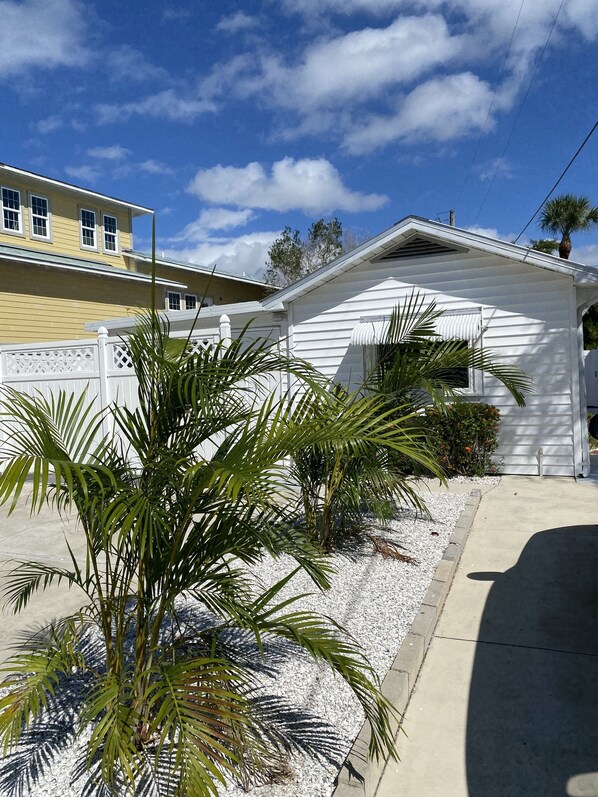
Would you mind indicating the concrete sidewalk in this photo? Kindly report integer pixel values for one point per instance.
(506, 704)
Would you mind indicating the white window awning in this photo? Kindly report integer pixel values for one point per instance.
(452, 325)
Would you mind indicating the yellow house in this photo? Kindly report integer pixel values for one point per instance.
(67, 258)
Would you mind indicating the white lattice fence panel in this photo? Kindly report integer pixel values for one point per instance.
(42, 361)
(207, 343)
(119, 357)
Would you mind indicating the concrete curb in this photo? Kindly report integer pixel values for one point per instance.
(360, 777)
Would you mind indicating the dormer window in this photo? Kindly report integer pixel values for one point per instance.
(40, 217)
(110, 234)
(88, 229)
(12, 218)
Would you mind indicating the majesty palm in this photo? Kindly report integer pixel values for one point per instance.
(158, 667)
(565, 215)
(416, 368)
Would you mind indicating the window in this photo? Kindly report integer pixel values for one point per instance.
(458, 377)
(190, 301)
(40, 217)
(110, 234)
(12, 220)
(173, 300)
(88, 229)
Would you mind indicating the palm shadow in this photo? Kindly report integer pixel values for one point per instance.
(532, 723)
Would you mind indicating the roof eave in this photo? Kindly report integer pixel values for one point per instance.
(137, 210)
(91, 270)
(195, 268)
(180, 316)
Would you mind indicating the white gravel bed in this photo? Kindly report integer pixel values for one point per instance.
(375, 598)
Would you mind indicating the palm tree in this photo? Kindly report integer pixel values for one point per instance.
(565, 215)
(155, 663)
(416, 368)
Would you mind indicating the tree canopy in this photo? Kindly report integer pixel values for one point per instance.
(291, 257)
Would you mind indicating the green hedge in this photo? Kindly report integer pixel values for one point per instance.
(464, 436)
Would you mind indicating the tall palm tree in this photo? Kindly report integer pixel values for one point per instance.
(567, 214)
(164, 689)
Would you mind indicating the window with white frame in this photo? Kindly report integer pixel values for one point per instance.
(110, 233)
(12, 218)
(458, 329)
(173, 300)
(88, 229)
(40, 217)
(190, 301)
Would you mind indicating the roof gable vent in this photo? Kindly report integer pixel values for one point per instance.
(419, 247)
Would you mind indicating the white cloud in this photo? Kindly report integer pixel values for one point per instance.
(176, 13)
(440, 109)
(214, 219)
(113, 153)
(49, 124)
(127, 64)
(163, 105)
(246, 254)
(493, 232)
(41, 33)
(86, 173)
(497, 167)
(497, 18)
(585, 254)
(312, 185)
(152, 166)
(355, 66)
(237, 22)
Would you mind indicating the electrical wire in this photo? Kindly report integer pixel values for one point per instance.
(563, 173)
(490, 107)
(521, 106)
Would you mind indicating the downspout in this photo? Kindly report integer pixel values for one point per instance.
(583, 398)
(290, 348)
(581, 461)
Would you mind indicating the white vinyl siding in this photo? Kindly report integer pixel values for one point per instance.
(12, 214)
(39, 208)
(89, 235)
(110, 225)
(525, 320)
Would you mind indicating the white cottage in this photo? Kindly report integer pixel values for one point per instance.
(524, 306)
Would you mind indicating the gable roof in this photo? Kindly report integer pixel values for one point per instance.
(420, 237)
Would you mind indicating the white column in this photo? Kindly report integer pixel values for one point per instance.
(225, 331)
(104, 392)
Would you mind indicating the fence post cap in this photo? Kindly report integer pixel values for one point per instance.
(102, 332)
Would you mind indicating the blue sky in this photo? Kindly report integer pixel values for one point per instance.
(235, 119)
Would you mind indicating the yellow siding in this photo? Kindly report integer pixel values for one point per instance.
(64, 222)
(222, 291)
(39, 304)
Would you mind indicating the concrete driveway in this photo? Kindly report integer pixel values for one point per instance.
(40, 537)
(506, 704)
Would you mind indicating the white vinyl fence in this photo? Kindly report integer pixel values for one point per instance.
(101, 368)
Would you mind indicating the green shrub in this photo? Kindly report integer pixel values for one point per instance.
(464, 436)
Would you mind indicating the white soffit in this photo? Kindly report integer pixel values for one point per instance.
(452, 325)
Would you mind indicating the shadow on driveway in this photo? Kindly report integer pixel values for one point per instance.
(532, 725)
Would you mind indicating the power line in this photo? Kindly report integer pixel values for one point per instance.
(563, 173)
(498, 82)
(529, 87)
